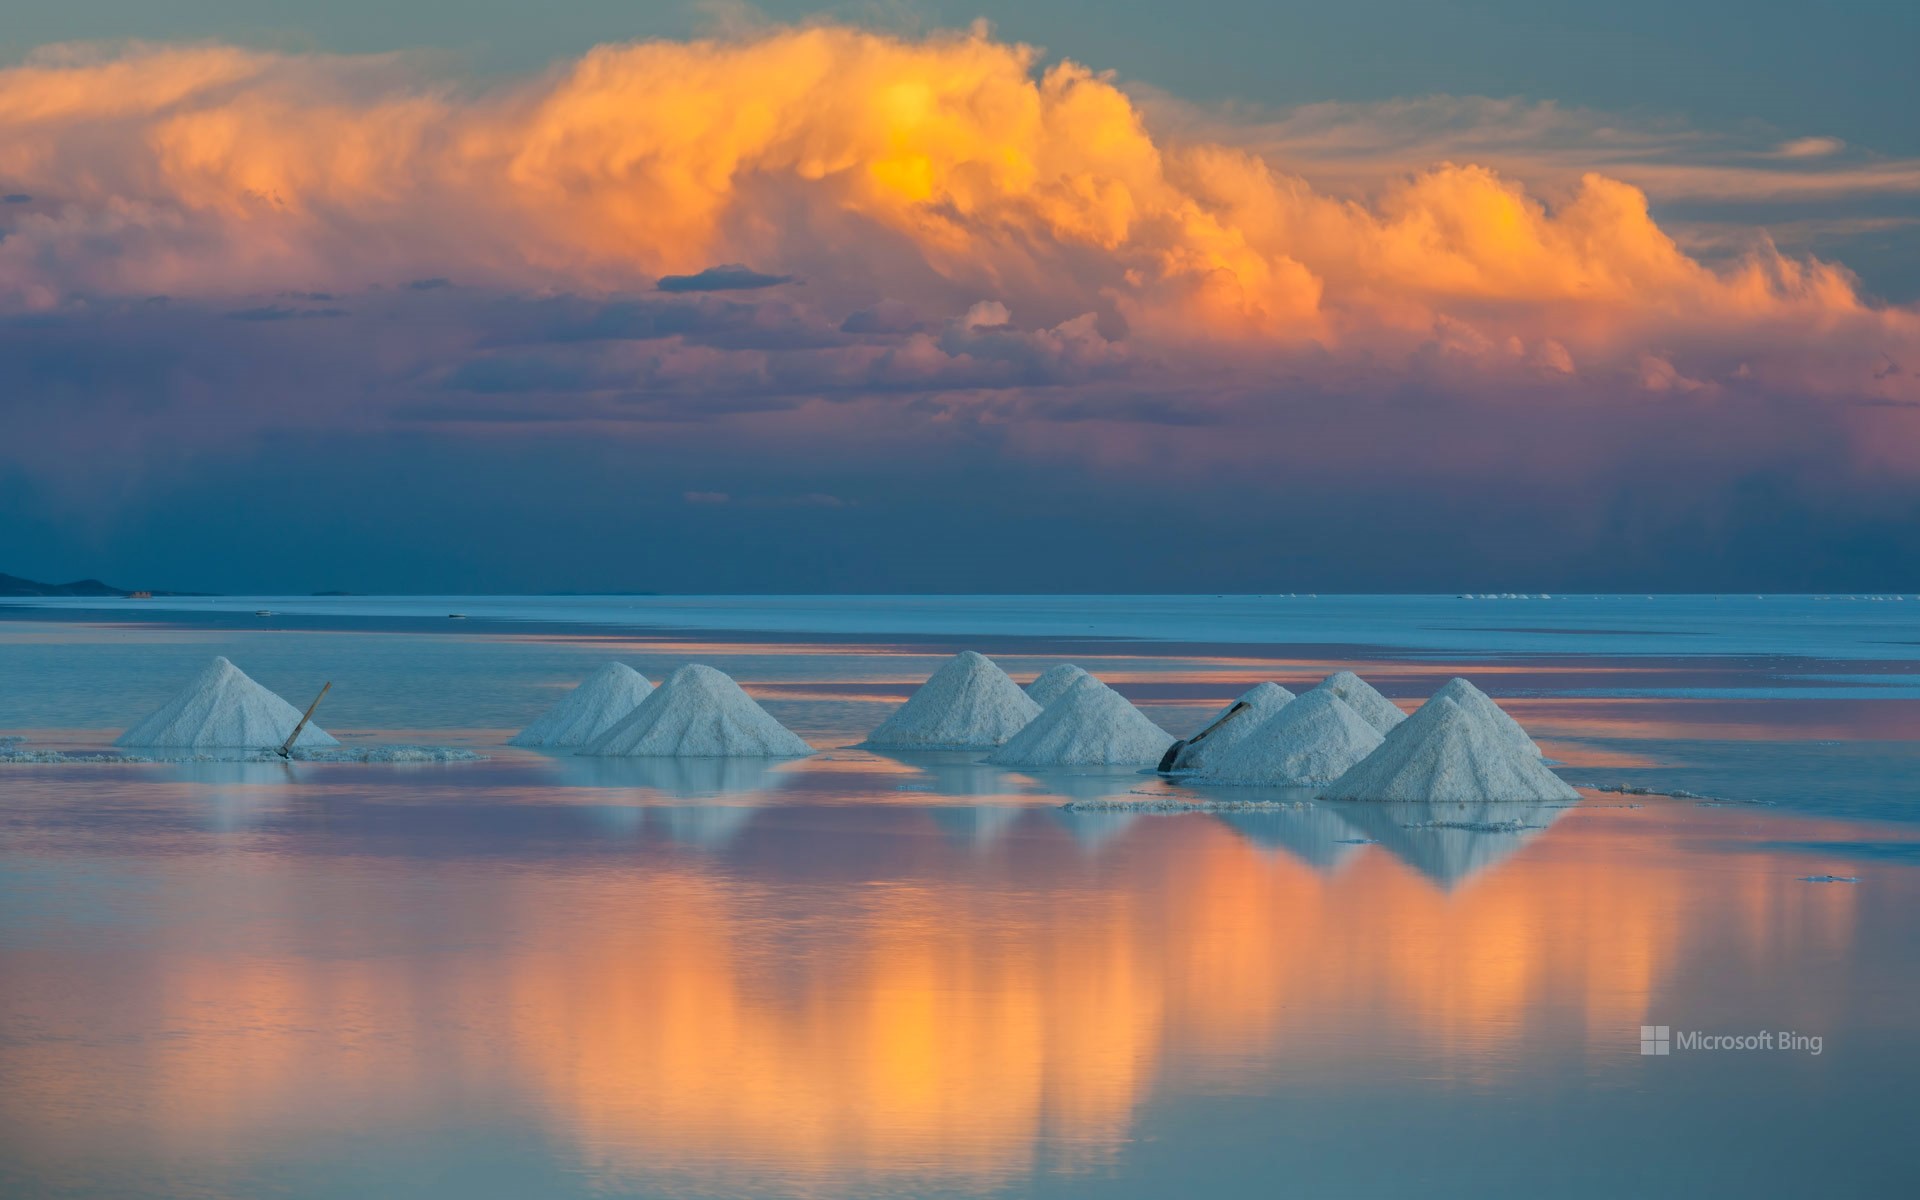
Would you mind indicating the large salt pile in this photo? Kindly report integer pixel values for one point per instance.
(1378, 711)
(222, 709)
(1444, 753)
(1229, 727)
(1482, 708)
(1316, 739)
(967, 704)
(698, 713)
(1053, 683)
(1089, 725)
(589, 710)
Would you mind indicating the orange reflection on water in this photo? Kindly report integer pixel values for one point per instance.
(957, 1016)
(949, 1031)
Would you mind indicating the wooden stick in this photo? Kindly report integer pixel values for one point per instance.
(286, 750)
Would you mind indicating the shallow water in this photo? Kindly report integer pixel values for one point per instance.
(865, 974)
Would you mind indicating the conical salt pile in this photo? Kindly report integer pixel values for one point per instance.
(1316, 739)
(1444, 754)
(589, 710)
(1053, 683)
(1230, 726)
(1375, 709)
(1481, 707)
(698, 713)
(967, 704)
(1089, 725)
(222, 709)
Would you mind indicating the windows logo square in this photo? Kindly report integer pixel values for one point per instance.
(1656, 1039)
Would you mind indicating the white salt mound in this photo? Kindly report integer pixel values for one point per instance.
(1378, 711)
(589, 710)
(1482, 708)
(1089, 725)
(1443, 753)
(1228, 728)
(1316, 739)
(967, 704)
(223, 709)
(698, 713)
(1053, 683)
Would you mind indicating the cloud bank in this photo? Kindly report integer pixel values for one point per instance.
(935, 171)
(894, 258)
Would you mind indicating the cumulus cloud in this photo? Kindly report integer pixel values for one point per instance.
(927, 170)
(987, 314)
(1003, 263)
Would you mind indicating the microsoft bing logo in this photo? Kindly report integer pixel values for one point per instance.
(1656, 1039)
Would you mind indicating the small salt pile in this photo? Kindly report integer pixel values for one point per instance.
(1053, 683)
(1316, 739)
(967, 704)
(1229, 727)
(698, 713)
(223, 709)
(1483, 709)
(1089, 725)
(589, 710)
(1378, 711)
(1445, 754)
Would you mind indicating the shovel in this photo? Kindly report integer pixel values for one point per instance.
(286, 749)
(1171, 759)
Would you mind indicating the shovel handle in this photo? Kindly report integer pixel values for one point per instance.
(286, 750)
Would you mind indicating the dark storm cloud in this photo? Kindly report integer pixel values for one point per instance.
(553, 427)
(729, 277)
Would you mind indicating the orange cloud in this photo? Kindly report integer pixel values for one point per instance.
(946, 171)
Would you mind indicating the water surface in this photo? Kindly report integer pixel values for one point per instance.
(864, 974)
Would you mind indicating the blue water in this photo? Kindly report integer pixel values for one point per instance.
(879, 975)
(1839, 627)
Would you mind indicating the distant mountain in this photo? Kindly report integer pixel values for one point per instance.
(13, 585)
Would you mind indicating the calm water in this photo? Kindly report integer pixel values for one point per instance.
(872, 975)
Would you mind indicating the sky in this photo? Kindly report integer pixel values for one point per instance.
(1060, 296)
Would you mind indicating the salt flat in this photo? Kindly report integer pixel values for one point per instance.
(607, 977)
